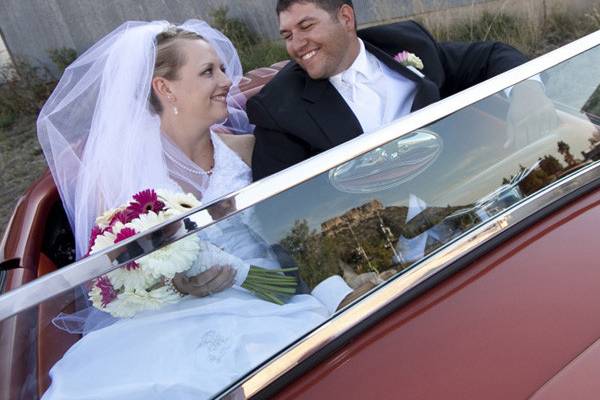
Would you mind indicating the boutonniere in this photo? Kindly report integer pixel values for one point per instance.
(409, 60)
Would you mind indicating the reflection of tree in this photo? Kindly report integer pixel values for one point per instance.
(316, 256)
(594, 153)
(548, 170)
(550, 165)
(367, 245)
(565, 150)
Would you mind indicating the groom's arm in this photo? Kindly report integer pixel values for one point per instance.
(531, 114)
(468, 63)
(275, 149)
(453, 66)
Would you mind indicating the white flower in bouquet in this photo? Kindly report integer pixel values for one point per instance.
(132, 302)
(169, 260)
(177, 201)
(139, 285)
(102, 241)
(106, 218)
(131, 279)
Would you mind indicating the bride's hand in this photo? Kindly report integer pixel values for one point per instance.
(213, 280)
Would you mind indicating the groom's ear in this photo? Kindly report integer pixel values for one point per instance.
(346, 16)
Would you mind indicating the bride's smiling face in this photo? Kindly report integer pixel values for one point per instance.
(200, 90)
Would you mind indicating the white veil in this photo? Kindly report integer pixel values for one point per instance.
(98, 133)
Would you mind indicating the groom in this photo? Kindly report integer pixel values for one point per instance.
(342, 83)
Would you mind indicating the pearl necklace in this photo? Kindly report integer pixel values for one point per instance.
(188, 169)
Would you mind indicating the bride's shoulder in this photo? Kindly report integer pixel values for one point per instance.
(243, 145)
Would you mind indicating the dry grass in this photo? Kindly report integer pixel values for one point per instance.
(21, 162)
(531, 30)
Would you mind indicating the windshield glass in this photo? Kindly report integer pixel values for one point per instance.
(329, 239)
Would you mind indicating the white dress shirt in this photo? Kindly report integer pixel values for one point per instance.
(376, 94)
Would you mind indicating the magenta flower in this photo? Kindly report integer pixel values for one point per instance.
(122, 217)
(107, 291)
(96, 231)
(145, 201)
(409, 60)
(122, 235)
(402, 57)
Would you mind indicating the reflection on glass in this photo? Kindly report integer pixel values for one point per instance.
(376, 215)
(365, 221)
(389, 165)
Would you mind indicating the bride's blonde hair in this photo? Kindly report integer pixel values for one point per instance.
(169, 57)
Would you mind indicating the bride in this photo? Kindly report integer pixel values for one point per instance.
(141, 109)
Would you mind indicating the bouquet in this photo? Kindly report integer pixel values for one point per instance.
(146, 283)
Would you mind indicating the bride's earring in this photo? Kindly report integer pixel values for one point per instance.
(175, 110)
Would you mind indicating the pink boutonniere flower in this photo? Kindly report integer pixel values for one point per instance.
(409, 60)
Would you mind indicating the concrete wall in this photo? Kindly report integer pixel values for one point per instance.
(31, 27)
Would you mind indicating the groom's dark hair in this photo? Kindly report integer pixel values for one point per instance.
(331, 6)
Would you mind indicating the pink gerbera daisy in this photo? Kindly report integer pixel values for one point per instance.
(402, 57)
(107, 291)
(122, 235)
(122, 217)
(96, 231)
(145, 201)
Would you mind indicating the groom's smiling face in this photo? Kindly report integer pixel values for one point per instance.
(322, 43)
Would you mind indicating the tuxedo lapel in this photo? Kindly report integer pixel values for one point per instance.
(427, 91)
(330, 111)
(333, 115)
(391, 63)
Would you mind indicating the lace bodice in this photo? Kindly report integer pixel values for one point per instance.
(238, 234)
(229, 174)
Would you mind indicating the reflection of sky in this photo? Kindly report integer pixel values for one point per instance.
(472, 164)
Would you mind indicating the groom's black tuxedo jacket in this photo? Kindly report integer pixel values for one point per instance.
(297, 117)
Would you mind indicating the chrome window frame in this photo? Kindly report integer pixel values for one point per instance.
(75, 274)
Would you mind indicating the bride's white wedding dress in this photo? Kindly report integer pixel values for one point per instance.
(197, 347)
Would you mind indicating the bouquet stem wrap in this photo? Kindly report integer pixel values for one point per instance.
(268, 284)
(271, 284)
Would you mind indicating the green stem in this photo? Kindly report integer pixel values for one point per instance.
(269, 271)
(269, 288)
(270, 284)
(275, 281)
